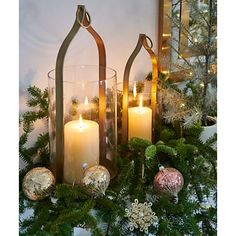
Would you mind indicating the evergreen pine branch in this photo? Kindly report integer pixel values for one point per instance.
(138, 144)
(125, 175)
(166, 149)
(38, 98)
(167, 134)
(150, 151)
(64, 191)
(97, 232)
(70, 215)
(42, 216)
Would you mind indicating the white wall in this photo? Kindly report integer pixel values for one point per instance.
(45, 23)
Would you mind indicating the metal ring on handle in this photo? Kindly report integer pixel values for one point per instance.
(81, 16)
(142, 41)
(145, 42)
(81, 22)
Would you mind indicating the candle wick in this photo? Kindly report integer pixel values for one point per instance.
(140, 103)
(80, 122)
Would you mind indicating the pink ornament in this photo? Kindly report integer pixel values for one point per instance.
(169, 181)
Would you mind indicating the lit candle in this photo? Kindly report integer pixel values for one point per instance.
(81, 145)
(140, 122)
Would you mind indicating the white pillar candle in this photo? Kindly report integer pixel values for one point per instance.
(140, 122)
(81, 145)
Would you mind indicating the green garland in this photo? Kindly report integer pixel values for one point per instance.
(70, 207)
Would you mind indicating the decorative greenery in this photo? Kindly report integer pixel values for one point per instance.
(199, 60)
(70, 206)
(36, 155)
(176, 108)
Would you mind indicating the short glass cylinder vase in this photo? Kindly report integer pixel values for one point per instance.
(82, 146)
(139, 110)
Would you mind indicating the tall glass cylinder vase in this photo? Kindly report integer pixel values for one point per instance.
(81, 120)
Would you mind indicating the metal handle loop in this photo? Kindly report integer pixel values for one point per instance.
(146, 42)
(88, 19)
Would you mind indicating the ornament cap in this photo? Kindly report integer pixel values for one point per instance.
(161, 167)
(84, 166)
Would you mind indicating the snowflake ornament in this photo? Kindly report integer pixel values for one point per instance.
(140, 216)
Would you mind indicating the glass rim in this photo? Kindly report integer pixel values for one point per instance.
(121, 90)
(114, 76)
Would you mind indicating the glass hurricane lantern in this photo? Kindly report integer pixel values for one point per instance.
(139, 109)
(82, 111)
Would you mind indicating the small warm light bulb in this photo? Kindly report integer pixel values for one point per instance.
(195, 40)
(134, 90)
(165, 48)
(165, 72)
(80, 122)
(182, 105)
(86, 101)
(190, 73)
(140, 102)
(202, 84)
(178, 15)
(166, 35)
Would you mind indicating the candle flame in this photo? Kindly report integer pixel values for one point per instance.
(135, 90)
(80, 121)
(140, 102)
(86, 101)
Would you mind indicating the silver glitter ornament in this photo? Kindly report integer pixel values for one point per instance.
(38, 183)
(169, 181)
(96, 179)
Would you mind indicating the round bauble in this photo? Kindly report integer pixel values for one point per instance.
(96, 179)
(168, 181)
(38, 183)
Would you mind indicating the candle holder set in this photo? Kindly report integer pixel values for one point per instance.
(83, 109)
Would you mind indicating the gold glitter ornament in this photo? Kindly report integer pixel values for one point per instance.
(38, 183)
(96, 179)
(140, 216)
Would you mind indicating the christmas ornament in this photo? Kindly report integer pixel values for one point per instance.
(169, 181)
(96, 179)
(38, 183)
(140, 216)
